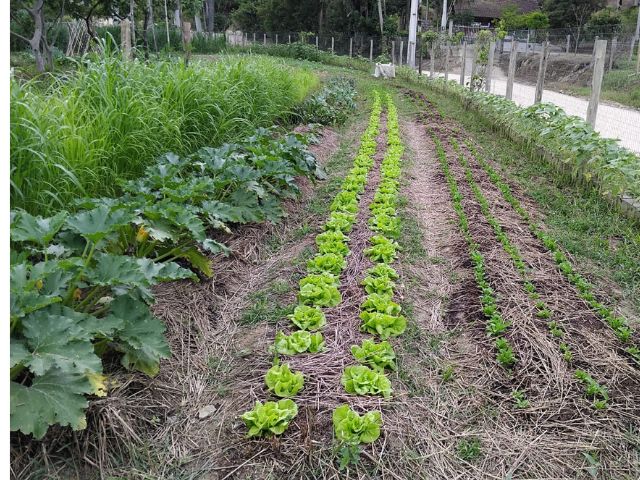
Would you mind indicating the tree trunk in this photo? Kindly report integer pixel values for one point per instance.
(145, 41)
(38, 42)
(132, 7)
(381, 17)
(210, 6)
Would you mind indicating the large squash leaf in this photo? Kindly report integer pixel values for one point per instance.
(56, 397)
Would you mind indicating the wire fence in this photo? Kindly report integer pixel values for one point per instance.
(564, 78)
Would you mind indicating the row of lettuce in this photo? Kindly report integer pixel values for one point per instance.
(81, 282)
(589, 158)
(320, 289)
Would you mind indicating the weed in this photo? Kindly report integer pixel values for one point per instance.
(469, 449)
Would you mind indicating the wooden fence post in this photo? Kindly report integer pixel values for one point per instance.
(264, 39)
(446, 56)
(276, 39)
(316, 41)
(350, 46)
(512, 69)
(633, 41)
(542, 70)
(371, 50)
(600, 52)
(125, 38)
(492, 49)
(433, 60)
(568, 43)
(464, 63)
(186, 40)
(289, 38)
(401, 51)
(254, 37)
(612, 54)
(332, 45)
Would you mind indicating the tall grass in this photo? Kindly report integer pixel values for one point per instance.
(110, 118)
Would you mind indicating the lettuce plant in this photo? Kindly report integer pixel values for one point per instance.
(361, 380)
(351, 428)
(341, 221)
(270, 418)
(298, 342)
(382, 324)
(320, 290)
(308, 318)
(333, 242)
(283, 382)
(383, 270)
(381, 286)
(382, 249)
(380, 303)
(376, 355)
(327, 263)
(385, 225)
(593, 389)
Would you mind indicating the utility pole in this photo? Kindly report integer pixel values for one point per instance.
(413, 28)
(443, 22)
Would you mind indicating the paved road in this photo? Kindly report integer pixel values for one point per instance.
(612, 121)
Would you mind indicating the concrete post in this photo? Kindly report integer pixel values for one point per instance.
(316, 41)
(371, 51)
(450, 28)
(612, 54)
(568, 43)
(542, 70)
(276, 39)
(393, 52)
(332, 45)
(264, 39)
(633, 42)
(350, 46)
(433, 60)
(526, 50)
(512, 69)
(186, 40)
(401, 51)
(474, 55)
(254, 37)
(289, 38)
(600, 50)
(464, 63)
(446, 56)
(125, 38)
(487, 83)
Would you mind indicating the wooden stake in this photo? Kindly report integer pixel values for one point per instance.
(600, 51)
(542, 70)
(512, 69)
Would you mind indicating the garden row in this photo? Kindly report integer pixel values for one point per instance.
(81, 282)
(379, 314)
(593, 389)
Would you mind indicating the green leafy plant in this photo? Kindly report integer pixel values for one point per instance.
(327, 263)
(341, 221)
(298, 342)
(376, 355)
(283, 382)
(593, 389)
(469, 449)
(362, 380)
(308, 318)
(351, 428)
(382, 303)
(382, 249)
(520, 399)
(320, 290)
(383, 270)
(505, 355)
(270, 418)
(333, 241)
(383, 324)
(380, 286)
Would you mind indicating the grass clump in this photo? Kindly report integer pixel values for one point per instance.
(109, 119)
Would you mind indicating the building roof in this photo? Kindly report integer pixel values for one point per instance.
(493, 8)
